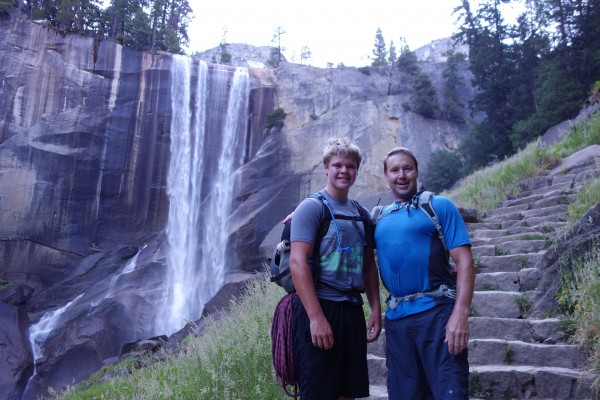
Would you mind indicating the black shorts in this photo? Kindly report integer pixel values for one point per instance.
(341, 370)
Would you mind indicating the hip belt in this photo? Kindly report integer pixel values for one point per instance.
(443, 290)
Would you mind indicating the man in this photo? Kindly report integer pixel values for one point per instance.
(330, 334)
(426, 327)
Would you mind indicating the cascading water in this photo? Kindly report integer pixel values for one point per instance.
(200, 184)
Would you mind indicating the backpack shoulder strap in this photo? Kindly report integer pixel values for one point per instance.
(425, 204)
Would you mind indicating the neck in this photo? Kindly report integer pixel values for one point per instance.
(339, 195)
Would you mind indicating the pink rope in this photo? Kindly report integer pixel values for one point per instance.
(282, 346)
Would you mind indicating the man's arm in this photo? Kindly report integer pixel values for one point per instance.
(320, 330)
(457, 329)
(371, 281)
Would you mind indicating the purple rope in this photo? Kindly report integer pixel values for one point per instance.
(282, 346)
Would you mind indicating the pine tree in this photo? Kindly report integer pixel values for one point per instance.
(379, 50)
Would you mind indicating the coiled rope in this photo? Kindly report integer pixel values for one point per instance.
(282, 346)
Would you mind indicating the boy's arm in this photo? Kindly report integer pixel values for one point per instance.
(371, 279)
(320, 330)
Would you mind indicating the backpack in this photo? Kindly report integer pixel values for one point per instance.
(279, 264)
(424, 201)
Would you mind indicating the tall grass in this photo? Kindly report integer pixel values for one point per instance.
(230, 360)
(579, 300)
(486, 188)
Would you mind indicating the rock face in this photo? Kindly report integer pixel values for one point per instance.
(84, 157)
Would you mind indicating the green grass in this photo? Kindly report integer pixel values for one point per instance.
(230, 360)
(579, 301)
(586, 199)
(486, 188)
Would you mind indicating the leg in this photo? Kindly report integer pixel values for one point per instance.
(406, 378)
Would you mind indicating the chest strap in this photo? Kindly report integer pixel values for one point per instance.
(443, 290)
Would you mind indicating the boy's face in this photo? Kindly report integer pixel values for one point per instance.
(401, 176)
(341, 172)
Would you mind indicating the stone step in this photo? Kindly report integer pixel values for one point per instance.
(495, 233)
(504, 281)
(526, 330)
(377, 369)
(377, 392)
(502, 211)
(484, 250)
(533, 235)
(545, 211)
(521, 281)
(502, 219)
(530, 382)
(521, 246)
(377, 348)
(507, 263)
(501, 304)
(473, 226)
(515, 352)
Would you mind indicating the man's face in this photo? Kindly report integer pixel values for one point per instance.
(341, 172)
(402, 176)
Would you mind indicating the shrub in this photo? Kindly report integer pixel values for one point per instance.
(275, 118)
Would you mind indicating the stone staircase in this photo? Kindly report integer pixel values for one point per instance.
(513, 355)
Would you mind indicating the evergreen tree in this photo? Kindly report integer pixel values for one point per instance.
(425, 100)
(276, 56)
(392, 56)
(491, 63)
(379, 50)
(305, 54)
(6, 6)
(452, 108)
(443, 170)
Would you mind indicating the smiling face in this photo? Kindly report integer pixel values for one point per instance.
(401, 174)
(341, 173)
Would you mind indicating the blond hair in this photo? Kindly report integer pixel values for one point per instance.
(341, 147)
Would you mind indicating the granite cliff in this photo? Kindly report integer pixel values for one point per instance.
(85, 138)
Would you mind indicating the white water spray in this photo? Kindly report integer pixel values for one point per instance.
(196, 228)
(39, 332)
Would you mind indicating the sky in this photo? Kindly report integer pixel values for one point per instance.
(336, 31)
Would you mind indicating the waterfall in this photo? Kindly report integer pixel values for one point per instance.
(39, 332)
(206, 125)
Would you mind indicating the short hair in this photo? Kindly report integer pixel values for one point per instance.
(400, 150)
(341, 147)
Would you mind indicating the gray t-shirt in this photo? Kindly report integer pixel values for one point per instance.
(340, 273)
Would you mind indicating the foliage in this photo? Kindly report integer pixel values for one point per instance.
(276, 53)
(485, 188)
(579, 301)
(230, 360)
(452, 108)
(365, 70)
(275, 118)
(379, 50)
(305, 54)
(586, 199)
(6, 6)
(425, 100)
(443, 170)
(140, 24)
(530, 75)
